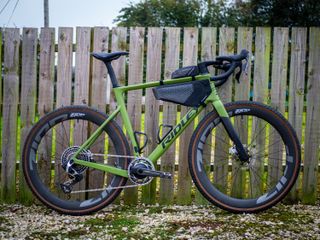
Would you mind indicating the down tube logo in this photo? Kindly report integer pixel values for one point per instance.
(178, 128)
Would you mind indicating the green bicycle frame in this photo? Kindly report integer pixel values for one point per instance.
(167, 141)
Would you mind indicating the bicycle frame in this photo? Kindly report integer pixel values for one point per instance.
(166, 142)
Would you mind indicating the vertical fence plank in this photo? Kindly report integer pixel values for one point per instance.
(81, 83)
(98, 100)
(28, 98)
(261, 64)
(169, 117)
(151, 119)
(10, 107)
(64, 73)
(99, 70)
(260, 94)
(278, 99)
(296, 88)
(190, 57)
(81, 91)
(45, 102)
(226, 47)
(134, 97)
(1, 43)
(312, 132)
(118, 43)
(64, 78)
(1, 76)
(208, 53)
(242, 92)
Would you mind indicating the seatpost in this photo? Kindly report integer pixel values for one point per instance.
(113, 77)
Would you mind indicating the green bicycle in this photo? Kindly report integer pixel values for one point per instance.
(88, 157)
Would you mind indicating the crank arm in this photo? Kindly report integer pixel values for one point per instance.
(151, 173)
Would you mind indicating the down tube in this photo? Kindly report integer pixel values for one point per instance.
(174, 133)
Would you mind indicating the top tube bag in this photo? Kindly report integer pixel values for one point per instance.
(190, 71)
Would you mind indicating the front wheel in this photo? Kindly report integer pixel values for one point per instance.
(50, 146)
(245, 186)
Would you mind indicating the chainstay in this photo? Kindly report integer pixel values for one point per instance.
(111, 188)
(111, 155)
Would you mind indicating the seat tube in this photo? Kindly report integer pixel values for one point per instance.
(126, 120)
(112, 75)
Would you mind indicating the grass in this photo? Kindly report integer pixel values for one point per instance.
(120, 226)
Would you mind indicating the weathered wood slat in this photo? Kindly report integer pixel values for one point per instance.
(242, 92)
(278, 99)
(1, 43)
(261, 64)
(64, 78)
(226, 47)
(45, 101)
(64, 71)
(28, 98)
(98, 100)
(1, 76)
(151, 118)
(169, 117)
(296, 88)
(208, 53)
(81, 93)
(81, 87)
(10, 107)
(260, 94)
(99, 70)
(312, 131)
(118, 43)
(134, 97)
(190, 57)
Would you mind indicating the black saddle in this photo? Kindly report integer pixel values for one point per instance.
(108, 57)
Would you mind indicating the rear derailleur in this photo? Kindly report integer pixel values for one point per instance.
(75, 172)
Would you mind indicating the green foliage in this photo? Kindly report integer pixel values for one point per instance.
(160, 13)
(280, 13)
(204, 13)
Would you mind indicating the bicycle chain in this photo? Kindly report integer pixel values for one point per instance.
(111, 188)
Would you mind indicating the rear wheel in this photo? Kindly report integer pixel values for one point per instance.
(51, 144)
(245, 186)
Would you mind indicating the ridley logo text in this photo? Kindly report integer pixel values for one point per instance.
(178, 128)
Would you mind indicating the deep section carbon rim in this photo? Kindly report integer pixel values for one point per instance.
(232, 183)
(51, 145)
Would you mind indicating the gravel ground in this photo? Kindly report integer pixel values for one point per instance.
(156, 222)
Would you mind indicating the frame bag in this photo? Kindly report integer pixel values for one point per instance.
(191, 94)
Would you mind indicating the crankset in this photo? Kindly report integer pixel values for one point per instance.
(142, 170)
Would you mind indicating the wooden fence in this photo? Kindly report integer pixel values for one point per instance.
(41, 72)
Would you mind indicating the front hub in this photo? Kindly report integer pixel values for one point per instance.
(236, 156)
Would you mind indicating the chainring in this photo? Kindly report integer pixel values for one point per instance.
(137, 179)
